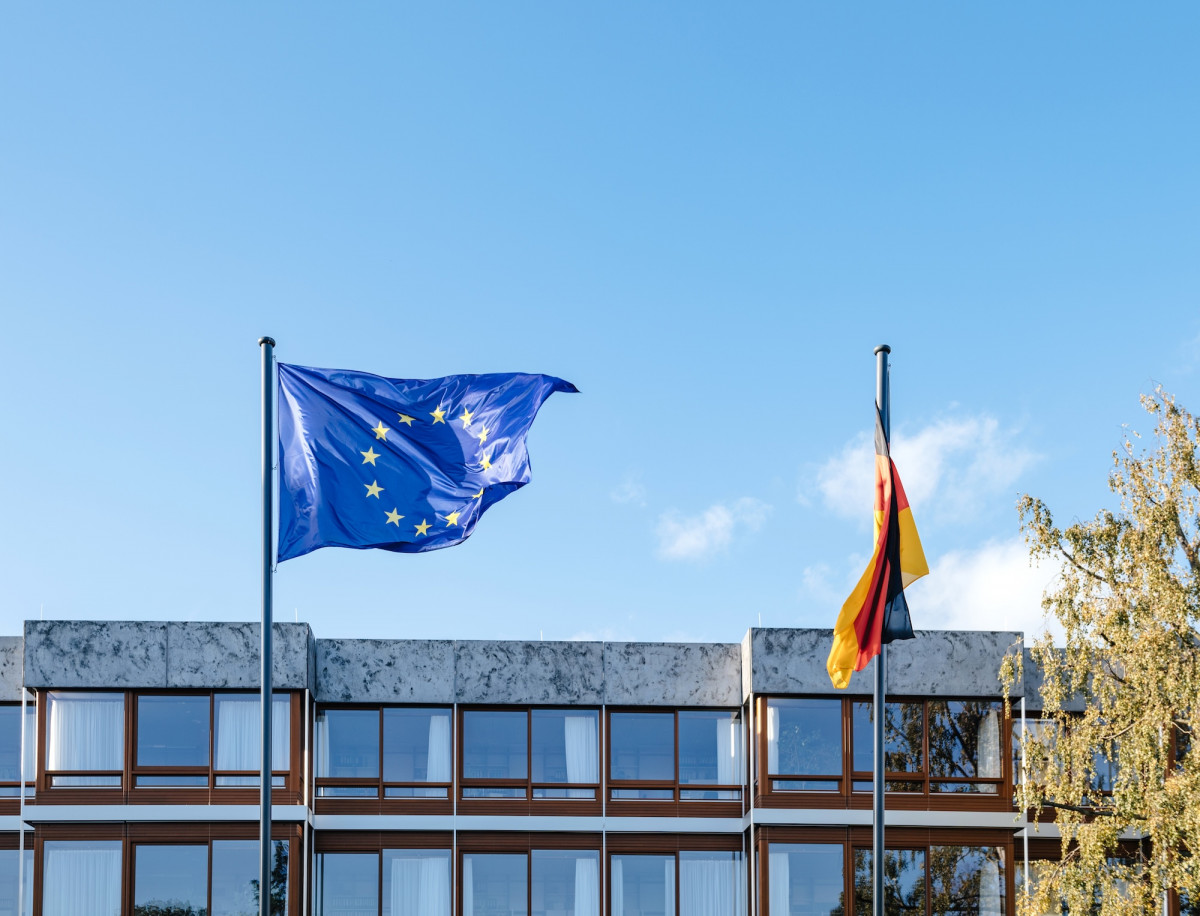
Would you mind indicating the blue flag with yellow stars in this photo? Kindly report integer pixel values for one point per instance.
(403, 464)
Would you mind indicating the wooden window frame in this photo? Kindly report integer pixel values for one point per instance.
(379, 803)
(377, 842)
(11, 804)
(848, 796)
(520, 844)
(671, 844)
(676, 806)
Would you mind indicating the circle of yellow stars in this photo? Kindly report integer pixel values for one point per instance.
(370, 456)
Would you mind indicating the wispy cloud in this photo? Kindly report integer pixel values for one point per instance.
(630, 490)
(949, 468)
(699, 537)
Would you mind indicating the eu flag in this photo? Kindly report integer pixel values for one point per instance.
(403, 464)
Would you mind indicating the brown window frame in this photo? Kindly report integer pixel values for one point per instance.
(11, 804)
(378, 842)
(848, 796)
(667, 844)
(677, 805)
(480, 843)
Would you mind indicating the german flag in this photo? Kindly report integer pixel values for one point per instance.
(876, 612)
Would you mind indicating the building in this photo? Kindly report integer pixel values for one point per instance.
(483, 778)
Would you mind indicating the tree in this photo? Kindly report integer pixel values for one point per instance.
(1123, 790)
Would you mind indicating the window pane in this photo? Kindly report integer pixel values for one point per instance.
(966, 880)
(710, 883)
(565, 746)
(30, 741)
(171, 879)
(964, 739)
(81, 877)
(348, 743)
(9, 881)
(804, 737)
(235, 878)
(346, 884)
(903, 885)
(10, 743)
(494, 885)
(566, 882)
(901, 738)
(710, 748)
(805, 879)
(416, 882)
(643, 885)
(239, 732)
(494, 745)
(85, 731)
(172, 731)
(643, 745)
(416, 745)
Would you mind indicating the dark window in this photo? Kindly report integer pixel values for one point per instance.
(804, 738)
(643, 746)
(903, 885)
(346, 884)
(172, 731)
(170, 879)
(348, 743)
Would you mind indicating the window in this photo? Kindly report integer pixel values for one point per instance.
(403, 752)
(546, 754)
(11, 867)
(236, 744)
(562, 882)
(935, 880)
(414, 882)
(174, 878)
(85, 738)
(643, 763)
(804, 739)
(10, 748)
(81, 876)
(805, 879)
(678, 884)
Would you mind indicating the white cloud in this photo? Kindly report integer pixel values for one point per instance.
(629, 490)
(698, 537)
(948, 468)
(993, 587)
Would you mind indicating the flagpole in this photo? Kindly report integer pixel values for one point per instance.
(267, 346)
(883, 402)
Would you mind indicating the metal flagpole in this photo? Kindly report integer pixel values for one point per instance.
(267, 346)
(883, 402)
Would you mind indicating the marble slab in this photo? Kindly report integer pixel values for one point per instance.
(490, 671)
(95, 653)
(12, 662)
(226, 655)
(672, 674)
(792, 660)
(384, 671)
(950, 663)
(1033, 688)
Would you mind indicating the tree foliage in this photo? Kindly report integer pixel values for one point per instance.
(1124, 793)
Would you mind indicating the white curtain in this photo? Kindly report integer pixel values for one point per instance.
(81, 879)
(437, 767)
(779, 870)
(772, 739)
(727, 748)
(618, 887)
(583, 757)
(86, 732)
(30, 762)
(587, 886)
(988, 746)
(468, 886)
(990, 893)
(421, 885)
(239, 728)
(669, 883)
(707, 886)
(322, 739)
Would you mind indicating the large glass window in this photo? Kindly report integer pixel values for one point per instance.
(172, 733)
(496, 749)
(416, 882)
(565, 882)
(81, 876)
(643, 885)
(174, 879)
(85, 738)
(966, 880)
(903, 882)
(10, 747)
(712, 884)
(903, 744)
(964, 745)
(565, 746)
(643, 763)
(347, 748)
(416, 752)
(403, 752)
(687, 883)
(806, 879)
(804, 739)
(495, 884)
(346, 884)
(238, 718)
(13, 882)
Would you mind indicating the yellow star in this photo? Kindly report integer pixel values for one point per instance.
(485, 461)
(394, 518)
(380, 431)
(373, 488)
(439, 416)
(405, 419)
(422, 528)
(451, 519)
(466, 418)
(369, 455)
(479, 494)
(482, 437)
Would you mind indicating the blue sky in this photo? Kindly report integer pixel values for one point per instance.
(705, 217)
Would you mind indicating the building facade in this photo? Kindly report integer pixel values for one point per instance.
(486, 778)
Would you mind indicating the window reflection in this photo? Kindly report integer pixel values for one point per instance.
(643, 746)
(804, 738)
(495, 884)
(235, 878)
(170, 879)
(346, 884)
(172, 731)
(494, 745)
(11, 880)
(347, 743)
(565, 882)
(710, 748)
(903, 886)
(565, 750)
(416, 745)
(643, 885)
(903, 737)
(964, 739)
(805, 879)
(966, 880)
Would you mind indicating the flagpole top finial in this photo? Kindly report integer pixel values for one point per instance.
(882, 348)
(270, 341)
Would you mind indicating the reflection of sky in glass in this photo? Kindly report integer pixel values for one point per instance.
(235, 876)
(8, 881)
(172, 731)
(494, 745)
(964, 738)
(171, 874)
(550, 742)
(807, 735)
(902, 738)
(904, 881)
(643, 746)
(967, 879)
(807, 877)
(645, 884)
(406, 744)
(710, 747)
(557, 877)
(497, 884)
(347, 876)
(348, 743)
